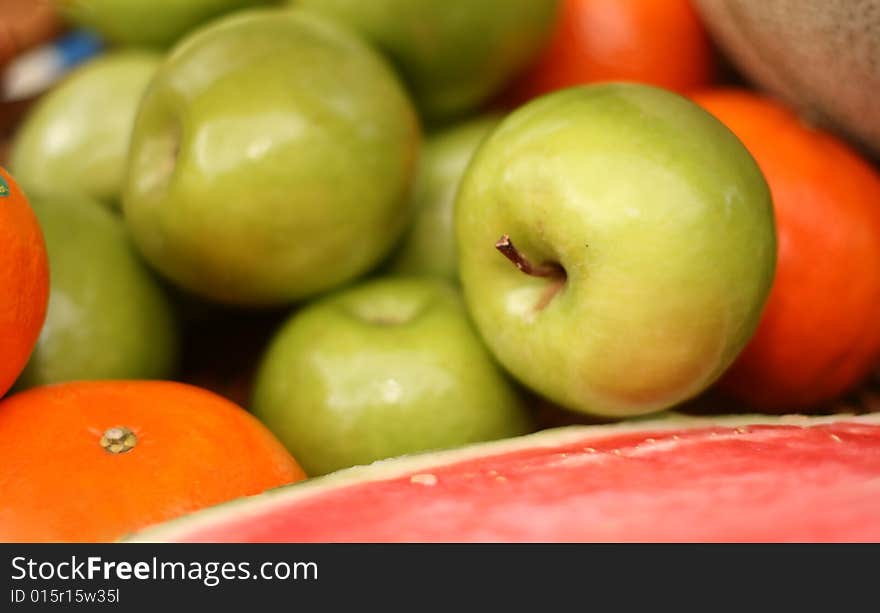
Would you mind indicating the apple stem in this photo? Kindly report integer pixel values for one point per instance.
(505, 246)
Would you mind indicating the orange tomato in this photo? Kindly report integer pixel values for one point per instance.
(659, 42)
(820, 332)
(94, 461)
(24, 281)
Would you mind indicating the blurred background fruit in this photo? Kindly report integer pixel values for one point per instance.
(26, 24)
(820, 332)
(428, 246)
(108, 316)
(454, 54)
(75, 140)
(151, 23)
(24, 280)
(659, 42)
(107, 458)
(272, 160)
(37, 70)
(383, 369)
(820, 56)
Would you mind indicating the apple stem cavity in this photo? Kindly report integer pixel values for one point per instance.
(548, 269)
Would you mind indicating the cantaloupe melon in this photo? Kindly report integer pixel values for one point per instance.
(821, 56)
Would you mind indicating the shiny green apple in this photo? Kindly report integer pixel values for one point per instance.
(150, 23)
(428, 247)
(454, 54)
(386, 368)
(616, 246)
(272, 159)
(108, 316)
(76, 137)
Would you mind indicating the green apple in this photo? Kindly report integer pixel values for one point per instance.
(454, 54)
(386, 368)
(616, 245)
(151, 23)
(272, 159)
(76, 137)
(108, 317)
(428, 247)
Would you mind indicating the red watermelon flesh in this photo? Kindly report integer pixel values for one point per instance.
(789, 479)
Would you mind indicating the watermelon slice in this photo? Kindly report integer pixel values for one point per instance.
(696, 479)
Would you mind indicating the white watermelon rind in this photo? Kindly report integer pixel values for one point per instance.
(394, 468)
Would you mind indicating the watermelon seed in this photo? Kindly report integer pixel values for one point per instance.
(424, 479)
(836, 438)
(118, 440)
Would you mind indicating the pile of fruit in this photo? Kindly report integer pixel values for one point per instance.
(494, 270)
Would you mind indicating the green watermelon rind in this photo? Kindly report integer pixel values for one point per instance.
(394, 468)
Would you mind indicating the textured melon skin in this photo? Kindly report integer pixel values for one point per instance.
(756, 479)
(822, 56)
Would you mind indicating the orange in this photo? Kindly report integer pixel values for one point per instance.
(659, 42)
(24, 280)
(94, 461)
(820, 332)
